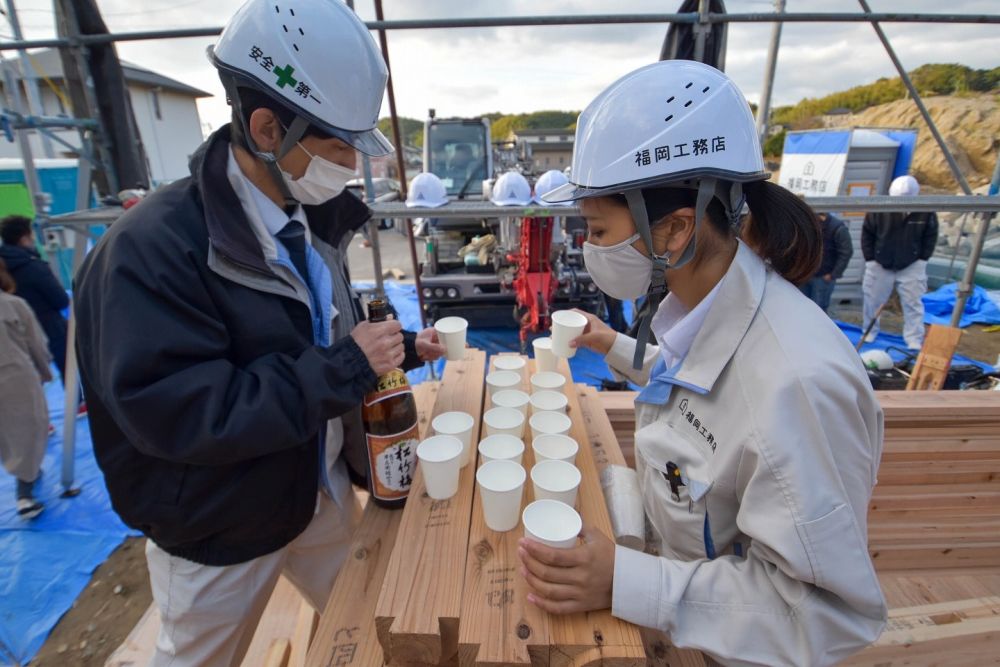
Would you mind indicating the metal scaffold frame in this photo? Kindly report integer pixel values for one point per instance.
(702, 21)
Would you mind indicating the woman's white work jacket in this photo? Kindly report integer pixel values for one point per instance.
(756, 456)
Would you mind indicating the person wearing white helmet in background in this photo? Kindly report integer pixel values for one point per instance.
(223, 353)
(897, 246)
(511, 189)
(426, 191)
(758, 435)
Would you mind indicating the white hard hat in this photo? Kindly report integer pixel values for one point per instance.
(904, 186)
(511, 189)
(877, 360)
(316, 58)
(426, 190)
(666, 122)
(548, 182)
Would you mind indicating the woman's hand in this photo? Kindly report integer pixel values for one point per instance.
(566, 581)
(428, 346)
(597, 335)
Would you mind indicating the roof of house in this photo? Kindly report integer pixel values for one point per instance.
(545, 132)
(48, 62)
(551, 146)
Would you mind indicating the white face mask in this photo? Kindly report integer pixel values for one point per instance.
(620, 271)
(322, 181)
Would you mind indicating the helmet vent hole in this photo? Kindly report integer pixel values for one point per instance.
(691, 83)
(277, 10)
(687, 104)
(285, 27)
(295, 46)
(672, 98)
(303, 33)
(292, 12)
(668, 118)
(705, 89)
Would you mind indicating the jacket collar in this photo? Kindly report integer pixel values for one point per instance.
(228, 229)
(735, 306)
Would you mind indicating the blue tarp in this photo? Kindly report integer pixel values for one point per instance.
(979, 309)
(47, 563)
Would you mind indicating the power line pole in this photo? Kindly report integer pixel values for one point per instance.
(764, 110)
(35, 107)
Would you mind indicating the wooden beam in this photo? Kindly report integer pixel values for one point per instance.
(418, 609)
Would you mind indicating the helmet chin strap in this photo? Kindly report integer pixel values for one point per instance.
(658, 278)
(293, 134)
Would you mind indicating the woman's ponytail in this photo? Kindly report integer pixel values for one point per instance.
(783, 230)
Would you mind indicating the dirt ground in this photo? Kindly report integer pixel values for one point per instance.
(105, 612)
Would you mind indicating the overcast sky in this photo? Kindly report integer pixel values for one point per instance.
(465, 72)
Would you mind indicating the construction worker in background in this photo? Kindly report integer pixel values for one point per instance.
(223, 352)
(837, 251)
(758, 433)
(897, 247)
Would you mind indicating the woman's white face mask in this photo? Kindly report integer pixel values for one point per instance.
(322, 181)
(620, 271)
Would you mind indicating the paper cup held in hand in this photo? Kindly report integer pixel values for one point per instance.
(500, 380)
(458, 424)
(451, 333)
(555, 448)
(549, 423)
(547, 381)
(501, 448)
(504, 421)
(510, 362)
(552, 523)
(556, 480)
(440, 459)
(512, 398)
(566, 326)
(548, 401)
(544, 359)
(501, 484)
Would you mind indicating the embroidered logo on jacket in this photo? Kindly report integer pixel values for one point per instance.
(697, 424)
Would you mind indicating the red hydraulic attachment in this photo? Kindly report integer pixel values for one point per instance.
(535, 283)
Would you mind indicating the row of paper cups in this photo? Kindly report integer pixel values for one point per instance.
(506, 380)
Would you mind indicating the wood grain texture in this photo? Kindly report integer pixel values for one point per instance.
(419, 605)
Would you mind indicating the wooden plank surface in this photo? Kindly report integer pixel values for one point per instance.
(418, 609)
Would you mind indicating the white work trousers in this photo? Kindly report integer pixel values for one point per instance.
(209, 614)
(911, 283)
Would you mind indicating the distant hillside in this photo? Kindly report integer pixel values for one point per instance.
(929, 80)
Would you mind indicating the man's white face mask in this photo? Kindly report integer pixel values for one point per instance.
(620, 271)
(322, 181)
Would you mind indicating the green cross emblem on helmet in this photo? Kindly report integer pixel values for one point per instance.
(285, 77)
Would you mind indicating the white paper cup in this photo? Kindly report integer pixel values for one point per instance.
(548, 401)
(501, 485)
(458, 424)
(552, 523)
(549, 423)
(555, 448)
(501, 448)
(440, 459)
(500, 380)
(451, 333)
(512, 398)
(556, 480)
(544, 359)
(509, 362)
(566, 325)
(547, 381)
(504, 421)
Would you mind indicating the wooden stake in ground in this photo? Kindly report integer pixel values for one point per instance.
(932, 366)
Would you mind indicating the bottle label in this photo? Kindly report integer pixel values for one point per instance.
(391, 384)
(393, 462)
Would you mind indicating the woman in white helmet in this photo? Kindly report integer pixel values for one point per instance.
(223, 353)
(758, 434)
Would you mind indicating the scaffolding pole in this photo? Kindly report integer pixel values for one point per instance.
(35, 107)
(397, 138)
(764, 110)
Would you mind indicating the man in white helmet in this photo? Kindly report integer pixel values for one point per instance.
(896, 247)
(223, 353)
